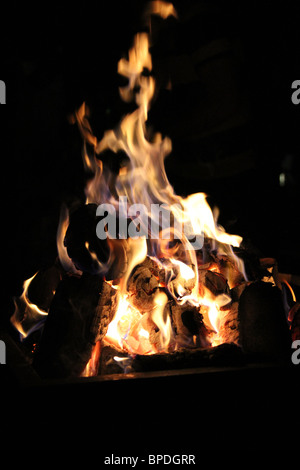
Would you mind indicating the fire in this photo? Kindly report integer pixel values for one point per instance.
(27, 316)
(126, 330)
(143, 181)
(63, 256)
(162, 321)
(92, 366)
(163, 9)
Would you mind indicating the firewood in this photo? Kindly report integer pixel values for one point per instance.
(263, 327)
(113, 360)
(216, 283)
(143, 284)
(44, 285)
(186, 323)
(222, 355)
(83, 246)
(229, 324)
(229, 328)
(105, 311)
(73, 325)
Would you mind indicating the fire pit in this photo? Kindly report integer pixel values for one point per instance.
(148, 288)
(146, 279)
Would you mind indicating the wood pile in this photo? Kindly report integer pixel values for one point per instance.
(252, 320)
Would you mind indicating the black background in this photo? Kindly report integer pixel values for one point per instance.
(55, 56)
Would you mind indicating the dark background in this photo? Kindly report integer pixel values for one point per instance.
(229, 114)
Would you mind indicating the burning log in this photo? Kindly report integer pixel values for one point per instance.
(187, 324)
(105, 311)
(159, 315)
(143, 284)
(216, 283)
(84, 248)
(42, 288)
(229, 331)
(229, 325)
(114, 361)
(263, 327)
(222, 355)
(79, 315)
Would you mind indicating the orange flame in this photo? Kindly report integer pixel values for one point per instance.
(64, 258)
(143, 180)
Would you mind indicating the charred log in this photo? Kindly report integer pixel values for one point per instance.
(113, 360)
(143, 284)
(187, 324)
(82, 242)
(104, 312)
(263, 327)
(79, 315)
(222, 355)
(216, 283)
(44, 285)
(229, 325)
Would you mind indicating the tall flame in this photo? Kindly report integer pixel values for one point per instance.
(143, 180)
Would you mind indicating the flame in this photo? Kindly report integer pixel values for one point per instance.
(27, 316)
(213, 314)
(291, 290)
(163, 9)
(126, 330)
(185, 271)
(162, 320)
(91, 368)
(64, 258)
(143, 180)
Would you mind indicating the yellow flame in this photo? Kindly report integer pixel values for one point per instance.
(143, 180)
(64, 258)
(162, 320)
(26, 315)
(186, 272)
